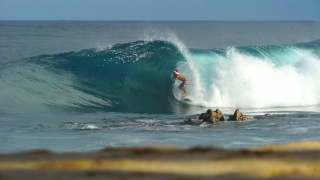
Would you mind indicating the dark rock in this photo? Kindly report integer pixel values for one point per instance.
(238, 116)
(212, 116)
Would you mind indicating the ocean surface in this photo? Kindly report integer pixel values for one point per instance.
(87, 85)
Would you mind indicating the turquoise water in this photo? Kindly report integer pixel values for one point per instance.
(83, 86)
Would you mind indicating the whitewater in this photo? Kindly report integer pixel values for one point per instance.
(63, 88)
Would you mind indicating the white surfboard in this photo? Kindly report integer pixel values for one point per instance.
(186, 99)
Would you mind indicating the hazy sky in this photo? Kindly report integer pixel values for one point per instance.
(160, 10)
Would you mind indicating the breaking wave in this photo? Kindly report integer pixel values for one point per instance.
(135, 77)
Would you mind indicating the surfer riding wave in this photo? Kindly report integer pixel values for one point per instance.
(184, 84)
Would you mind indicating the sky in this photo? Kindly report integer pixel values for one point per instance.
(161, 10)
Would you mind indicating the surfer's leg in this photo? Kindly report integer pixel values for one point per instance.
(184, 87)
(185, 91)
(181, 86)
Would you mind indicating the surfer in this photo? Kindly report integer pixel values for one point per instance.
(184, 84)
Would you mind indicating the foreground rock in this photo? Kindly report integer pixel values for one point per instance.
(238, 116)
(211, 116)
(290, 161)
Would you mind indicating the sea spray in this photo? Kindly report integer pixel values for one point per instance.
(263, 81)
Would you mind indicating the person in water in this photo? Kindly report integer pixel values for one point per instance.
(184, 84)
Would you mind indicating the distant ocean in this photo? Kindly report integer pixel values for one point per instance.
(87, 85)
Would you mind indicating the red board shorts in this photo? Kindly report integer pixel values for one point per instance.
(184, 84)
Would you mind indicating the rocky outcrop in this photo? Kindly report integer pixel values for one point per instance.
(212, 116)
(194, 122)
(294, 161)
(269, 116)
(238, 116)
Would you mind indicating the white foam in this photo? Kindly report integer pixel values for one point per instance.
(90, 126)
(247, 81)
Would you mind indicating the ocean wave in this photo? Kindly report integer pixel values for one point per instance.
(135, 77)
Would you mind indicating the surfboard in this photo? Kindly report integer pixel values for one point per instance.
(186, 99)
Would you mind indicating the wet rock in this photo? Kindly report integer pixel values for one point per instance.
(238, 116)
(269, 116)
(194, 122)
(212, 116)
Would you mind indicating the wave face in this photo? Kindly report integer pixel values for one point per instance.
(135, 77)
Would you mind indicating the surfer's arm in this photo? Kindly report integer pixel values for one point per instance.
(174, 78)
